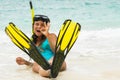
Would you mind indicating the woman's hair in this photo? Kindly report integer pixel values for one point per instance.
(34, 38)
(39, 18)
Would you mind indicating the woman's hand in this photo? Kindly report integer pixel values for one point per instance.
(45, 30)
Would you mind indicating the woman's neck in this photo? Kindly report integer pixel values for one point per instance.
(39, 41)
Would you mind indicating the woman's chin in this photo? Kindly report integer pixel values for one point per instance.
(38, 34)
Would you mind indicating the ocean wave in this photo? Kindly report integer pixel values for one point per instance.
(98, 42)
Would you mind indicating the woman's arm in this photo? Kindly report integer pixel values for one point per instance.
(50, 36)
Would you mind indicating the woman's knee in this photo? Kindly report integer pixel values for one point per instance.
(63, 67)
(35, 67)
(44, 73)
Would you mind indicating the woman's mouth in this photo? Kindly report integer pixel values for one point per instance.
(38, 30)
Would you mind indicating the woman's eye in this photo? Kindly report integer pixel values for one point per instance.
(37, 24)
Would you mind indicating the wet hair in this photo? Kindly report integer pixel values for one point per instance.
(34, 38)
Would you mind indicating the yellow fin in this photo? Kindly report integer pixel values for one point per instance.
(17, 36)
(68, 34)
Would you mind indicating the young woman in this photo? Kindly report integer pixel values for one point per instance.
(45, 42)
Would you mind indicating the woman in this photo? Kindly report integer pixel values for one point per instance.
(45, 42)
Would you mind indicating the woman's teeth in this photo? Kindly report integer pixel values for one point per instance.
(38, 30)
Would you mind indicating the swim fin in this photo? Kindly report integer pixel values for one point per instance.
(66, 38)
(25, 44)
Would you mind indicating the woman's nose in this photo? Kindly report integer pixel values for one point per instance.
(39, 26)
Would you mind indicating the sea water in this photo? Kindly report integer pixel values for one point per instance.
(99, 37)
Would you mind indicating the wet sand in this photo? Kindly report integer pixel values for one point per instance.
(79, 67)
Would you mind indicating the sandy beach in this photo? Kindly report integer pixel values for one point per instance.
(79, 67)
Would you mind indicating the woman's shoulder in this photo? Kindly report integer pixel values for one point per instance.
(53, 35)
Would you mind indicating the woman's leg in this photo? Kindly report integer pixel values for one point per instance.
(38, 69)
(63, 67)
(46, 73)
(35, 67)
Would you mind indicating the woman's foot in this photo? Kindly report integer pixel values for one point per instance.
(21, 61)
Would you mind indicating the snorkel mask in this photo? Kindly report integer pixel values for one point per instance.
(41, 18)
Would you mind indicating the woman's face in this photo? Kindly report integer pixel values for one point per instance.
(37, 26)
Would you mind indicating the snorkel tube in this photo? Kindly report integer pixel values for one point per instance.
(32, 11)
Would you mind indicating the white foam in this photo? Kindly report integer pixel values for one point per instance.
(98, 42)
